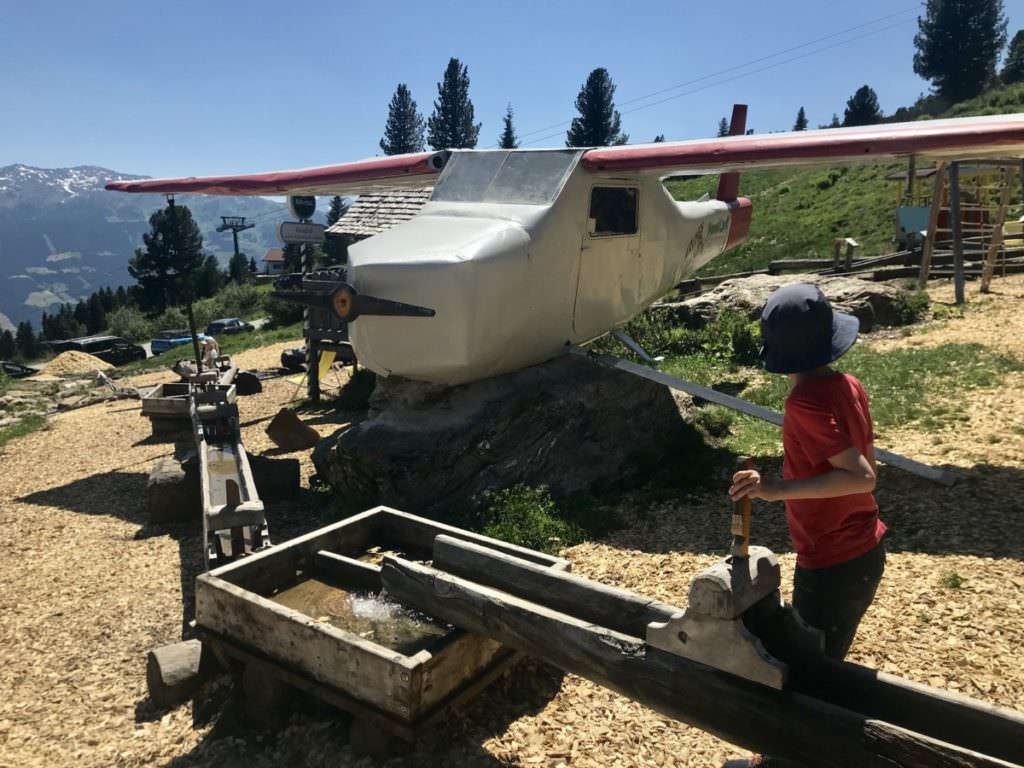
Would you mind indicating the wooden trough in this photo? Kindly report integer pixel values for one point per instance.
(308, 614)
(167, 406)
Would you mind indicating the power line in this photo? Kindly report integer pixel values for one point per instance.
(734, 77)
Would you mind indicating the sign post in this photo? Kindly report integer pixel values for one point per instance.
(305, 233)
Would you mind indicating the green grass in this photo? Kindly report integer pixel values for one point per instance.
(798, 211)
(951, 580)
(26, 426)
(229, 345)
(905, 386)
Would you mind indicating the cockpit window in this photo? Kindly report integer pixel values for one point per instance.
(502, 176)
(612, 211)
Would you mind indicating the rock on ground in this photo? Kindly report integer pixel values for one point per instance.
(873, 303)
(569, 424)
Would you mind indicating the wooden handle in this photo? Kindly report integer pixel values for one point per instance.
(741, 518)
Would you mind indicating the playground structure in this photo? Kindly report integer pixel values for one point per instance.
(319, 615)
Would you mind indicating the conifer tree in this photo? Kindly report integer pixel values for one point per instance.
(1013, 67)
(25, 341)
(599, 123)
(958, 42)
(7, 346)
(659, 138)
(238, 267)
(862, 108)
(173, 251)
(508, 139)
(801, 121)
(723, 127)
(335, 251)
(451, 125)
(253, 269)
(337, 210)
(403, 132)
(835, 121)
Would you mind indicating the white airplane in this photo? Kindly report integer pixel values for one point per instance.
(520, 253)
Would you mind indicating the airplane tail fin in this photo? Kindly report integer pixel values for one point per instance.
(729, 183)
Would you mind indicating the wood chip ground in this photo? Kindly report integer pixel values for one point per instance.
(89, 588)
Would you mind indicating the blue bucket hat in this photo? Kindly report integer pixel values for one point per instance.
(800, 332)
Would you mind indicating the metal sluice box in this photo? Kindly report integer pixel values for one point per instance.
(311, 610)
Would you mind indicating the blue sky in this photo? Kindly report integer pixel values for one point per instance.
(190, 88)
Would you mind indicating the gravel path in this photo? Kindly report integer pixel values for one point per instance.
(89, 588)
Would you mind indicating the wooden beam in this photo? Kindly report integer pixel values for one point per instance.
(958, 236)
(765, 414)
(997, 235)
(933, 224)
(783, 723)
(591, 601)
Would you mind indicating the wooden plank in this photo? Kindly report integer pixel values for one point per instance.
(997, 236)
(766, 414)
(969, 723)
(901, 745)
(933, 223)
(592, 601)
(353, 573)
(958, 242)
(783, 723)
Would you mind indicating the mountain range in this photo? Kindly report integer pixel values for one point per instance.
(62, 236)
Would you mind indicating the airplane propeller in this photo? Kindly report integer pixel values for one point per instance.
(348, 304)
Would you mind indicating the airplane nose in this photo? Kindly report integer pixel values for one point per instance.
(470, 271)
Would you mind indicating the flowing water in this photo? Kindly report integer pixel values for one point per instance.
(372, 616)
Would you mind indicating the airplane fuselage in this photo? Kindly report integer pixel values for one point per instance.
(520, 262)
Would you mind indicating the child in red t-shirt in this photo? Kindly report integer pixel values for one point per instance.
(829, 465)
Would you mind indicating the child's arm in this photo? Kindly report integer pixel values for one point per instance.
(851, 473)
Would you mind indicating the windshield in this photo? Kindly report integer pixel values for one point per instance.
(502, 176)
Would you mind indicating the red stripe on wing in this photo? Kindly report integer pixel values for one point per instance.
(966, 137)
(376, 172)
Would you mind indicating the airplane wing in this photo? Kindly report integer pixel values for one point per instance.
(376, 174)
(1000, 136)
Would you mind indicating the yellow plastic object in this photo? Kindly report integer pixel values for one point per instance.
(326, 361)
(1012, 231)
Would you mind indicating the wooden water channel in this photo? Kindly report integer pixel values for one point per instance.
(395, 619)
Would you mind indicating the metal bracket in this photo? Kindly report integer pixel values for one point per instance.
(630, 342)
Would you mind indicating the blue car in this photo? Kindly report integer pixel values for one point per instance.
(165, 340)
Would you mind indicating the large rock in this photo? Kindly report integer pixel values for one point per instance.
(570, 424)
(873, 303)
(288, 432)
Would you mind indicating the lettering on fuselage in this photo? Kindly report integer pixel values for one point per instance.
(696, 242)
(700, 237)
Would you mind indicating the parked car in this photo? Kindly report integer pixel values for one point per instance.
(228, 325)
(110, 349)
(165, 340)
(16, 370)
(294, 359)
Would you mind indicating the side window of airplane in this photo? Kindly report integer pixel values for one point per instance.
(613, 211)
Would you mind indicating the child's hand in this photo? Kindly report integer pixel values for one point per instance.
(748, 483)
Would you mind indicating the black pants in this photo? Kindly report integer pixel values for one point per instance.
(835, 599)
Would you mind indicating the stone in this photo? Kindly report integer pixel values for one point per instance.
(570, 424)
(288, 432)
(172, 491)
(247, 383)
(874, 304)
(175, 672)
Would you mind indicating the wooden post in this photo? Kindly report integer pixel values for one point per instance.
(958, 236)
(911, 178)
(997, 235)
(933, 224)
(837, 253)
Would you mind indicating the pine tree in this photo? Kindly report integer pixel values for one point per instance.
(801, 121)
(292, 257)
(95, 317)
(173, 251)
(25, 341)
(121, 297)
(337, 209)
(451, 126)
(1013, 67)
(723, 127)
(335, 251)
(599, 122)
(659, 138)
(403, 132)
(253, 269)
(835, 121)
(862, 108)
(508, 139)
(238, 267)
(958, 42)
(7, 345)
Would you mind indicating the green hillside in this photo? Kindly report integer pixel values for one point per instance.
(798, 211)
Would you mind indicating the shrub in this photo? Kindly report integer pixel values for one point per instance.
(282, 312)
(951, 580)
(912, 306)
(130, 323)
(715, 420)
(528, 517)
(245, 301)
(171, 318)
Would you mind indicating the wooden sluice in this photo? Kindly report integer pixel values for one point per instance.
(816, 713)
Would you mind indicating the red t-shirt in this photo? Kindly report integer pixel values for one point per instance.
(824, 416)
